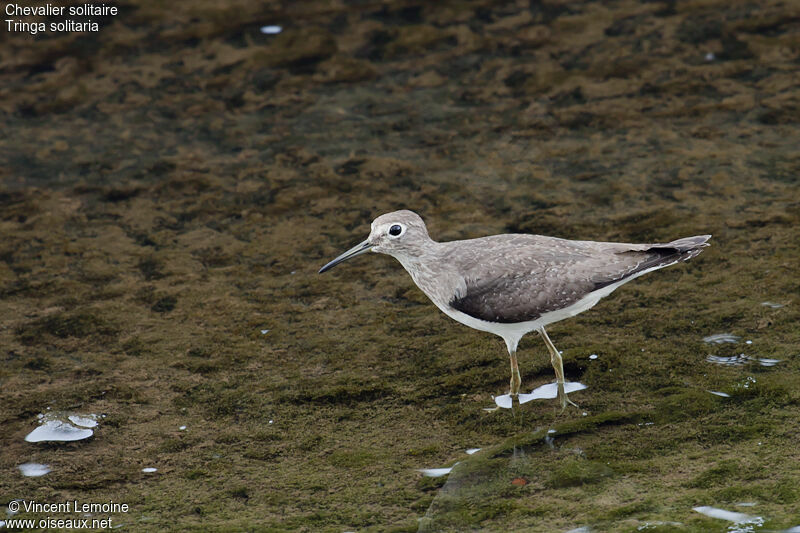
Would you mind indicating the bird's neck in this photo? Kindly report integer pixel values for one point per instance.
(429, 272)
(419, 255)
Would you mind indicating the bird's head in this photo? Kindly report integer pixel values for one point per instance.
(399, 234)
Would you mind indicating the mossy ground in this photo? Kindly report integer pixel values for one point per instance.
(171, 185)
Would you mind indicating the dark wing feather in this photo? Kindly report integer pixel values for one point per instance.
(511, 300)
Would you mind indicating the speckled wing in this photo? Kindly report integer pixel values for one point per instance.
(518, 278)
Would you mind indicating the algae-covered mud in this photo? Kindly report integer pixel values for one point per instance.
(171, 183)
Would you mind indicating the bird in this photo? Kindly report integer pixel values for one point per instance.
(513, 284)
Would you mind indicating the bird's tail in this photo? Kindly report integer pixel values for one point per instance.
(685, 248)
(654, 256)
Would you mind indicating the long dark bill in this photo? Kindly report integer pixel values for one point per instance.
(352, 252)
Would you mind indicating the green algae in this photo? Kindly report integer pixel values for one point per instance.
(159, 217)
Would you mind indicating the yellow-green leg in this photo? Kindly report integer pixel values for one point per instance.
(558, 366)
(516, 381)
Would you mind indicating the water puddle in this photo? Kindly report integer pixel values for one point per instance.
(772, 305)
(717, 393)
(272, 29)
(34, 469)
(741, 359)
(721, 338)
(149, 470)
(63, 427)
(470, 451)
(742, 523)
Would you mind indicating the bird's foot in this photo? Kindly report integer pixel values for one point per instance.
(564, 400)
(514, 396)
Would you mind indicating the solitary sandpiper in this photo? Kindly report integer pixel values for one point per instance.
(513, 284)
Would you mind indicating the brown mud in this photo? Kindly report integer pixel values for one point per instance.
(171, 184)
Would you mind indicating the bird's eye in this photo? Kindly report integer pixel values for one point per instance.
(395, 230)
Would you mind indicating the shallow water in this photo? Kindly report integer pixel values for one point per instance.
(719, 393)
(741, 359)
(170, 185)
(548, 391)
(435, 472)
(742, 523)
(720, 338)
